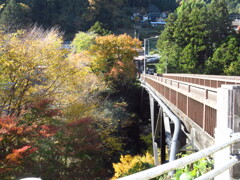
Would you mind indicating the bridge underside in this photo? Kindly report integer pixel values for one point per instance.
(197, 136)
(190, 137)
(196, 116)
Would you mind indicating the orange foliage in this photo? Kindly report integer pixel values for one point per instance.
(113, 58)
(13, 134)
(48, 130)
(17, 154)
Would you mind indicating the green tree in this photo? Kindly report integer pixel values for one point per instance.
(14, 14)
(165, 5)
(83, 41)
(192, 34)
(70, 15)
(40, 12)
(168, 48)
(138, 3)
(186, 37)
(98, 28)
(233, 6)
(220, 24)
(226, 59)
(107, 12)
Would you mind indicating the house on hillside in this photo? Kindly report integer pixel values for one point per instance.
(153, 8)
(137, 17)
(164, 15)
(153, 12)
(153, 17)
(236, 24)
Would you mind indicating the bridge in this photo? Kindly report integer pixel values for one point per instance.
(194, 112)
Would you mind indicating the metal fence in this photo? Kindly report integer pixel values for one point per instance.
(197, 102)
(214, 81)
(165, 168)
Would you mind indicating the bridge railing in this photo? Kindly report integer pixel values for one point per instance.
(165, 168)
(197, 102)
(214, 81)
(203, 111)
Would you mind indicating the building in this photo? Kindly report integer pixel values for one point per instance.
(236, 24)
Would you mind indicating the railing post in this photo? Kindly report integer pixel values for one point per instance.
(228, 119)
(155, 150)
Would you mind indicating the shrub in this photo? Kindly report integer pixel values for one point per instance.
(132, 164)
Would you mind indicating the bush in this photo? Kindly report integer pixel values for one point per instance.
(132, 164)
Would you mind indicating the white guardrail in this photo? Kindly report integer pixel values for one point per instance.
(165, 168)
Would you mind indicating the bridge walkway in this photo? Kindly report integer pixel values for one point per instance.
(201, 103)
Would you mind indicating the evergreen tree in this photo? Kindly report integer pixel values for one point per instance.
(40, 12)
(220, 24)
(108, 12)
(233, 6)
(190, 39)
(138, 3)
(98, 28)
(165, 5)
(15, 14)
(226, 59)
(189, 35)
(168, 48)
(71, 15)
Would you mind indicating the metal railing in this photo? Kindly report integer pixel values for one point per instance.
(197, 102)
(165, 168)
(214, 81)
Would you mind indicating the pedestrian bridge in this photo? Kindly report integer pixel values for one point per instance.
(194, 111)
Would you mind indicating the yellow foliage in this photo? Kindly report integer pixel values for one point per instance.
(83, 83)
(112, 58)
(128, 162)
(34, 64)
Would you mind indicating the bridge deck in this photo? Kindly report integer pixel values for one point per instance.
(195, 101)
(209, 112)
(214, 81)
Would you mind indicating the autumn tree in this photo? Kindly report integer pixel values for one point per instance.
(20, 138)
(39, 143)
(132, 164)
(76, 150)
(34, 65)
(113, 60)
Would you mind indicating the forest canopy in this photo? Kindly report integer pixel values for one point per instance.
(198, 38)
(59, 115)
(73, 16)
(79, 15)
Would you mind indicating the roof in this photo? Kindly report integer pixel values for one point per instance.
(153, 60)
(153, 8)
(236, 22)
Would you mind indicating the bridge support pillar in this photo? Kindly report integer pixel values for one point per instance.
(162, 137)
(228, 121)
(155, 147)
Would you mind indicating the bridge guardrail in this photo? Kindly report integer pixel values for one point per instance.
(165, 168)
(214, 81)
(198, 102)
